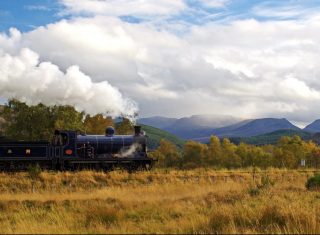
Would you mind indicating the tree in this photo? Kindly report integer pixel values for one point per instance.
(313, 156)
(97, 124)
(291, 151)
(214, 154)
(125, 127)
(38, 121)
(167, 154)
(66, 117)
(194, 154)
(230, 157)
(28, 123)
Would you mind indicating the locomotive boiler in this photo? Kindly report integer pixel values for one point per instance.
(70, 150)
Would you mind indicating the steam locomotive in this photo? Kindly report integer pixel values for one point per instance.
(70, 150)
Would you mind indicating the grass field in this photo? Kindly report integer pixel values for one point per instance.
(160, 201)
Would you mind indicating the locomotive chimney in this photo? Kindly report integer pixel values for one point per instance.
(137, 130)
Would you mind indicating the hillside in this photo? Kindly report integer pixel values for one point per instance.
(313, 127)
(272, 137)
(259, 127)
(158, 121)
(190, 127)
(155, 135)
(247, 128)
(201, 127)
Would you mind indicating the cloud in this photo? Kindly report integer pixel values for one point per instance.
(37, 8)
(245, 68)
(214, 3)
(123, 7)
(283, 10)
(25, 78)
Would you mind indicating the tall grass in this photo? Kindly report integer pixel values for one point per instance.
(160, 201)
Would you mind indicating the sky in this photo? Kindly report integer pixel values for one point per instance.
(175, 58)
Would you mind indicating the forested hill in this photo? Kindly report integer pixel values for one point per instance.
(155, 135)
(272, 137)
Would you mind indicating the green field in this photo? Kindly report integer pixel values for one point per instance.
(160, 201)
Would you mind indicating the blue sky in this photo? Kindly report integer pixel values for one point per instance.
(26, 15)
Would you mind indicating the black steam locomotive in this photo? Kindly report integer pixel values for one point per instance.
(70, 150)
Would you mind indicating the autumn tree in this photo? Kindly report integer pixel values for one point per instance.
(214, 153)
(230, 158)
(167, 154)
(125, 127)
(194, 154)
(312, 154)
(290, 151)
(97, 124)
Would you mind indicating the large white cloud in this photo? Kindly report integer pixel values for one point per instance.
(244, 68)
(23, 77)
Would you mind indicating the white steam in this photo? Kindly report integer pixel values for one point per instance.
(128, 152)
(25, 78)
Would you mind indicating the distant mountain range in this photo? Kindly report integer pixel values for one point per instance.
(201, 127)
(313, 127)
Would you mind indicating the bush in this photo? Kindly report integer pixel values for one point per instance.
(313, 183)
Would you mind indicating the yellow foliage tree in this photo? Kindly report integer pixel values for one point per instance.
(167, 154)
(194, 154)
(97, 124)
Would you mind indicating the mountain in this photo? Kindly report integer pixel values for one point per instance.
(201, 127)
(271, 138)
(192, 122)
(155, 135)
(157, 121)
(189, 127)
(248, 128)
(258, 127)
(313, 127)
(201, 121)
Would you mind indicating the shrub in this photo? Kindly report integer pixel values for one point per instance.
(313, 183)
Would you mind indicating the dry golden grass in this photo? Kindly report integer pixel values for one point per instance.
(160, 201)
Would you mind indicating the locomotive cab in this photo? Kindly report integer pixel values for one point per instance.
(59, 138)
(64, 143)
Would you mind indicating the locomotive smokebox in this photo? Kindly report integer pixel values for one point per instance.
(110, 131)
(137, 130)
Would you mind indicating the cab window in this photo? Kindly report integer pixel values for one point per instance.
(60, 139)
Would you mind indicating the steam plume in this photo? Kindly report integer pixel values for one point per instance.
(128, 152)
(25, 78)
